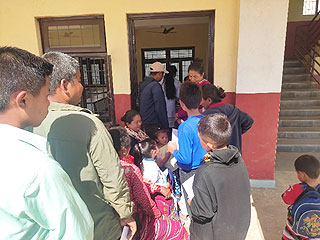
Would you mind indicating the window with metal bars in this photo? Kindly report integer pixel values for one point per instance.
(180, 57)
(97, 94)
(83, 37)
(310, 7)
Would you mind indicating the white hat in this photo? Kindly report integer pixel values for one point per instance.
(157, 67)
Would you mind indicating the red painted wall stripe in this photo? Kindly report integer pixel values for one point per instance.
(230, 98)
(122, 103)
(259, 143)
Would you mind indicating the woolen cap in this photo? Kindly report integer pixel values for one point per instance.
(157, 67)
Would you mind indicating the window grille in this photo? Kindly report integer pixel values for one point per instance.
(181, 58)
(310, 7)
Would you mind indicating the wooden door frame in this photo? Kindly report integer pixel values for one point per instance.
(146, 16)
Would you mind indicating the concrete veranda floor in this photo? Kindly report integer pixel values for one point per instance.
(272, 212)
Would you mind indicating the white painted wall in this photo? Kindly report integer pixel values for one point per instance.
(262, 32)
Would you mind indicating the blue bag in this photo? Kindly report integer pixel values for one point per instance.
(304, 214)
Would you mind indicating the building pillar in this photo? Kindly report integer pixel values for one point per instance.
(262, 30)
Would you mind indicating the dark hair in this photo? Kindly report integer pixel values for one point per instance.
(120, 137)
(308, 164)
(129, 115)
(190, 94)
(169, 86)
(216, 129)
(154, 73)
(143, 150)
(64, 67)
(21, 70)
(216, 94)
(197, 66)
(160, 131)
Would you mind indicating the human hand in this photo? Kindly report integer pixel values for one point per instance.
(166, 192)
(171, 147)
(131, 223)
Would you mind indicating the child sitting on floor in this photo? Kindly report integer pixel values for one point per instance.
(308, 170)
(152, 225)
(163, 156)
(163, 160)
(144, 154)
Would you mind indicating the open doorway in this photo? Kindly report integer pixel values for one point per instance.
(174, 38)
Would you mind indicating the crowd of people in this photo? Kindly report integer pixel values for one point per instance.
(76, 179)
(69, 177)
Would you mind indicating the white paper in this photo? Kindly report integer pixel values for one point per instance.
(187, 185)
(174, 137)
(173, 162)
(125, 233)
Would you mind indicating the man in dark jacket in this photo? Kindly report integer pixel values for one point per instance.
(221, 204)
(153, 108)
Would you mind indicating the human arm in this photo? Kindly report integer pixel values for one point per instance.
(246, 121)
(162, 157)
(160, 106)
(52, 202)
(110, 172)
(131, 223)
(203, 207)
(153, 188)
(292, 193)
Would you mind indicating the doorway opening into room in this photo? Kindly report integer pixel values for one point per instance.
(174, 38)
(83, 37)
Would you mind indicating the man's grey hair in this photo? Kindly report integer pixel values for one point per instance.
(64, 67)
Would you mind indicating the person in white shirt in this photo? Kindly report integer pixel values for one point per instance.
(171, 88)
(38, 200)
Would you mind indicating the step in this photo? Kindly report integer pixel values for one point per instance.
(285, 160)
(292, 63)
(292, 93)
(289, 121)
(303, 102)
(299, 132)
(299, 85)
(296, 77)
(298, 111)
(290, 70)
(298, 145)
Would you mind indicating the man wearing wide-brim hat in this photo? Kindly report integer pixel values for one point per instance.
(153, 108)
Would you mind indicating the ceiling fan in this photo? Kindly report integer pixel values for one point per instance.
(165, 30)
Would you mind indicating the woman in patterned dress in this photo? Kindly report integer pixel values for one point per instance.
(151, 223)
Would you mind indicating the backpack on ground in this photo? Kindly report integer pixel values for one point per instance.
(304, 214)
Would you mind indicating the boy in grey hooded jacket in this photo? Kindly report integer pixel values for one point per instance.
(221, 204)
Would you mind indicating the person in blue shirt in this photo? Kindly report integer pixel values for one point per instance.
(190, 154)
(38, 200)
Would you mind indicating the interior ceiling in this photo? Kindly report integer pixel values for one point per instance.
(154, 23)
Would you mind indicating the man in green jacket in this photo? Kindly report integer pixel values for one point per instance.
(38, 200)
(79, 141)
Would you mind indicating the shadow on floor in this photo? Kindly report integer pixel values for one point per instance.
(272, 212)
